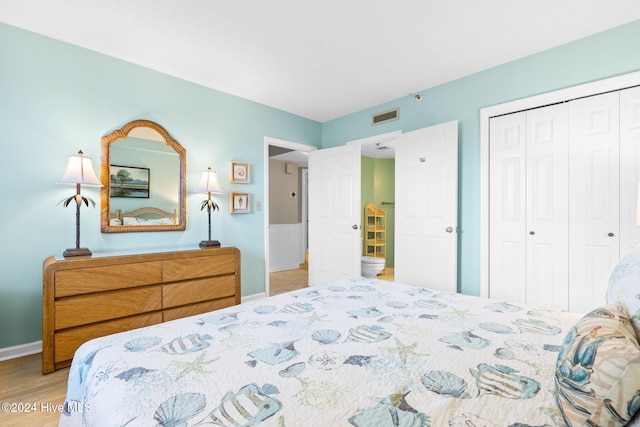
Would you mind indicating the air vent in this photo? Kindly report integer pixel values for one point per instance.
(387, 116)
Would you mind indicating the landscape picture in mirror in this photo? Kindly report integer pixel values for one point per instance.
(129, 181)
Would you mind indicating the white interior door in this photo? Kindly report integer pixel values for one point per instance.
(426, 241)
(594, 199)
(334, 214)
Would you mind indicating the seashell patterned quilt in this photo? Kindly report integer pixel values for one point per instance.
(356, 352)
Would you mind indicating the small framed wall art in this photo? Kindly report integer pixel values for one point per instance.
(239, 202)
(239, 172)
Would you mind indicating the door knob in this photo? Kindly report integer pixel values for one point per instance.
(610, 234)
(532, 232)
(355, 226)
(449, 229)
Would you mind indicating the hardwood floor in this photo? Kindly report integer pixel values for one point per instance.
(290, 280)
(22, 382)
(287, 280)
(22, 385)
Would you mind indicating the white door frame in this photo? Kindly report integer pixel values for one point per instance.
(380, 138)
(283, 144)
(588, 89)
(304, 199)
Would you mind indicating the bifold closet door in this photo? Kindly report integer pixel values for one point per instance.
(629, 168)
(594, 198)
(507, 216)
(547, 206)
(528, 216)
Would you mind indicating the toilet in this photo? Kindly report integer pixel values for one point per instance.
(372, 266)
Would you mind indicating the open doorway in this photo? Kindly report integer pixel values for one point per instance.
(286, 215)
(378, 189)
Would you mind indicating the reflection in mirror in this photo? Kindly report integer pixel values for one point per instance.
(143, 173)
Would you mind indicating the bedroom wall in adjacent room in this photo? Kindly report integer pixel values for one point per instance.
(55, 99)
(603, 55)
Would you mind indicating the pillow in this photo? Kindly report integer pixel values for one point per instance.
(624, 286)
(128, 220)
(158, 221)
(597, 377)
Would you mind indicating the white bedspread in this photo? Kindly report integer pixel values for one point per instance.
(355, 352)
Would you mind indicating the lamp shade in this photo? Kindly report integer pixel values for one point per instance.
(208, 183)
(79, 171)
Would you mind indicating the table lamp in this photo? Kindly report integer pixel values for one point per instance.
(209, 184)
(79, 172)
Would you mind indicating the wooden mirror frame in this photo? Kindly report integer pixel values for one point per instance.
(105, 161)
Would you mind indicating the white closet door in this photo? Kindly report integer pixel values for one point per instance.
(629, 168)
(594, 199)
(507, 215)
(547, 207)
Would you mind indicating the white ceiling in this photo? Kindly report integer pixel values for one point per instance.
(319, 59)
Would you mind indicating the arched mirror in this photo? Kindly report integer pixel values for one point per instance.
(143, 172)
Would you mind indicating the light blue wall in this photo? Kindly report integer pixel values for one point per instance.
(603, 55)
(55, 99)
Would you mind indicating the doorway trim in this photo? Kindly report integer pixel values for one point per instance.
(563, 95)
(296, 146)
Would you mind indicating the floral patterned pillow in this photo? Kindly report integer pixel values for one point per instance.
(624, 286)
(597, 374)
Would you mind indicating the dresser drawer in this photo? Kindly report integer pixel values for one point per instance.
(86, 309)
(192, 310)
(193, 291)
(192, 268)
(68, 341)
(106, 278)
(89, 297)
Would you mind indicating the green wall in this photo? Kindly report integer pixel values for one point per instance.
(55, 99)
(378, 185)
(603, 55)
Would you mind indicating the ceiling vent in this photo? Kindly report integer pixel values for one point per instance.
(387, 116)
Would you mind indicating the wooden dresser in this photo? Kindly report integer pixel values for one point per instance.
(89, 297)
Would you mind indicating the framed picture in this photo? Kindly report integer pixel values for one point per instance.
(239, 203)
(239, 173)
(129, 181)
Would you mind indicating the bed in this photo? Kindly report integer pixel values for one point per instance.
(358, 351)
(144, 216)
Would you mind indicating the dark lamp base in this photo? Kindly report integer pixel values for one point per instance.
(76, 252)
(209, 244)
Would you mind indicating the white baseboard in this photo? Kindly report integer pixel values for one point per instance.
(16, 351)
(284, 268)
(254, 297)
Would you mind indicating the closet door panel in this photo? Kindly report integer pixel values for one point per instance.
(594, 199)
(629, 168)
(507, 216)
(547, 206)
